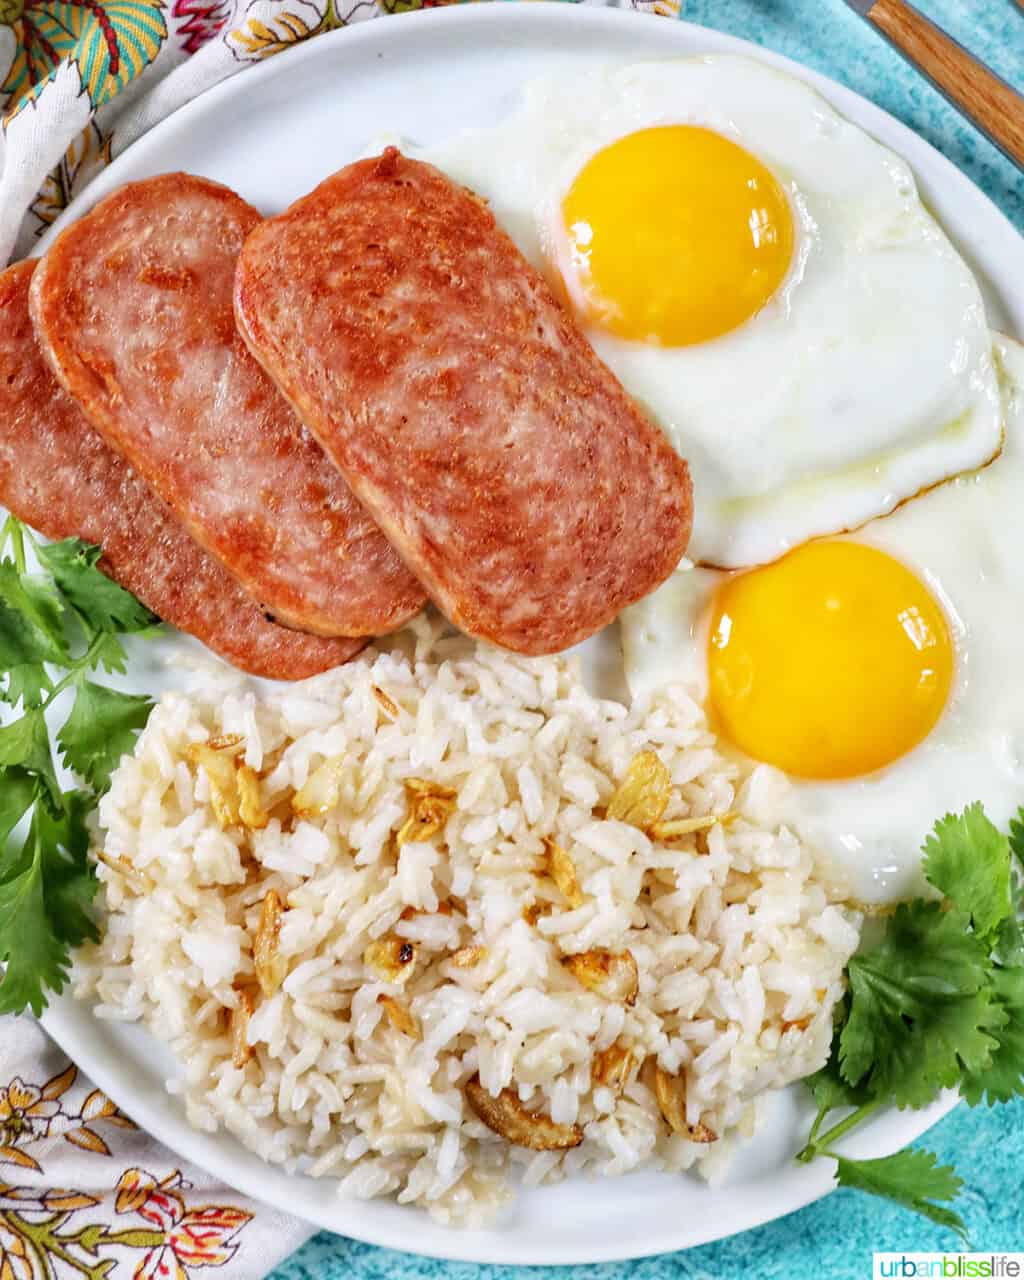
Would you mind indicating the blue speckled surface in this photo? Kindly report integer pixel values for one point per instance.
(830, 1240)
(835, 1237)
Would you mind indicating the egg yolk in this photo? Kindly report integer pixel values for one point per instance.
(830, 663)
(677, 235)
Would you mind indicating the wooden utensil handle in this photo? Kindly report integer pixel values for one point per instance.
(996, 108)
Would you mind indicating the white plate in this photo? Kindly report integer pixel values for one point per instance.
(272, 134)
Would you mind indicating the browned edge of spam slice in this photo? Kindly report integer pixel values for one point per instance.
(501, 457)
(59, 477)
(133, 308)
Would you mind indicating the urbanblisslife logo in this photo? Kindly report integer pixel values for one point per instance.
(948, 1266)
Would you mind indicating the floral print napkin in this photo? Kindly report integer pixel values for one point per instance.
(85, 1194)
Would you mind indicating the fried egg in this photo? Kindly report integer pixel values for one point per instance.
(877, 671)
(762, 277)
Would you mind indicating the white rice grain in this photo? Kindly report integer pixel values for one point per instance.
(739, 943)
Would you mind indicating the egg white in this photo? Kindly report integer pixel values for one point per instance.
(965, 539)
(866, 379)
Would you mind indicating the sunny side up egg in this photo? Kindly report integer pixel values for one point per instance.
(876, 670)
(762, 277)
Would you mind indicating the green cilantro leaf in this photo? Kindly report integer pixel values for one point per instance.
(26, 742)
(44, 907)
(1009, 944)
(967, 858)
(1003, 1078)
(107, 653)
(38, 616)
(1017, 837)
(71, 882)
(1008, 947)
(97, 598)
(17, 641)
(828, 1088)
(918, 1009)
(18, 791)
(68, 616)
(37, 957)
(28, 684)
(912, 1178)
(937, 1001)
(100, 730)
(831, 1091)
(21, 657)
(958, 1037)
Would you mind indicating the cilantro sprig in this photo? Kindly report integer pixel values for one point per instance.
(937, 1002)
(61, 621)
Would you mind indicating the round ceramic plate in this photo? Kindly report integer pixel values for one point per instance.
(272, 134)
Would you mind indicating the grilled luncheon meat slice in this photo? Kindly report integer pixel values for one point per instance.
(133, 307)
(57, 475)
(502, 459)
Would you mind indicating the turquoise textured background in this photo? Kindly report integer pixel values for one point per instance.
(834, 1238)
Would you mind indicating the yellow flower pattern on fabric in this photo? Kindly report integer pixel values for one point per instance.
(15, 1262)
(111, 42)
(268, 28)
(24, 1111)
(51, 1227)
(27, 1115)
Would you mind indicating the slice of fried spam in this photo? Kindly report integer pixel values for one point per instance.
(133, 307)
(502, 459)
(58, 476)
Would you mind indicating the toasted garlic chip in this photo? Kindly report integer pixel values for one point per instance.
(122, 865)
(271, 968)
(234, 787)
(386, 704)
(400, 1017)
(668, 1090)
(444, 908)
(507, 1116)
(801, 1024)
(561, 869)
(612, 1067)
(250, 812)
(392, 958)
(612, 974)
(427, 787)
(430, 807)
(219, 767)
(676, 828)
(644, 793)
(321, 791)
(241, 1050)
(467, 957)
(670, 1100)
